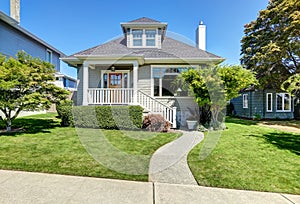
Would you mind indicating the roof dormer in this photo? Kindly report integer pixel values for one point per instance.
(144, 33)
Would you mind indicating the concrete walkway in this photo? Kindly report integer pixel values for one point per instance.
(31, 188)
(169, 163)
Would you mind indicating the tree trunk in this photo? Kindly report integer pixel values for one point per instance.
(8, 125)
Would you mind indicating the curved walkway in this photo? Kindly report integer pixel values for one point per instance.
(169, 163)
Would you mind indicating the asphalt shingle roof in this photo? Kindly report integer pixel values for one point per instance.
(144, 20)
(170, 48)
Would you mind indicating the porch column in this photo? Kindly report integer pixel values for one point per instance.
(135, 82)
(85, 83)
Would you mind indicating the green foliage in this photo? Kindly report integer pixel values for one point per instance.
(64, 111)
(292, 85)
(108, 117)
(271, 45)
(214, 86)
(26, 84)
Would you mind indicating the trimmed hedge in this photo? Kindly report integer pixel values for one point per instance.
(64, 111)
(107, 117)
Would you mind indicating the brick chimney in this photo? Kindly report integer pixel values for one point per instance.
(201, 36)
(15, 9)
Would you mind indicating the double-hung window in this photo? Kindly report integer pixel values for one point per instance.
(150, 37)
(137, 35)
(283, 102)
(144, 37)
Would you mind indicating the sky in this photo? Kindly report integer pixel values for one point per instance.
(75, 25)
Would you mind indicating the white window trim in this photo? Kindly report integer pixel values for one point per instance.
(160, 79)
(290, 103)
(245, 105)
(267, 100)
(117, 71)
(50, 52)
(144, 38)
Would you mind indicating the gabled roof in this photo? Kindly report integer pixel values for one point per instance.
(13, 23)
(170, 49)
(144, 20)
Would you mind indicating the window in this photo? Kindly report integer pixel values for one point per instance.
(269, 102)
(144, 37)
(137, 37)
(163, 82)
(105, 80)
(245, 100)
(283, 102)
(49, 56)
(150, 37)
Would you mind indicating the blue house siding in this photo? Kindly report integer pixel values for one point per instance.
(13, 40)
(257, 106)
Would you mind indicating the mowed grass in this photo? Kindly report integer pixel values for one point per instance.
(251, 157)
(44, 146)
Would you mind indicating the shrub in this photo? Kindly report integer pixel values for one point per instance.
(156, 123)
(108, 117)
(64, 111)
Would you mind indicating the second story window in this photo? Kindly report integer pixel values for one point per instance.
(150, 37)
(144, 37)
(49, 56)
(137, 37)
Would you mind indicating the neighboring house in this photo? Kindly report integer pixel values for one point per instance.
(14, 38)
(66, 82)
(139, 69)
(263, 104)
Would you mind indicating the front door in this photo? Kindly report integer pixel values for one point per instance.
(115, 80)
(115, 85)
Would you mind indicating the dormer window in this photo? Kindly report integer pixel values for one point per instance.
(144, 37)
(150, 37)
(144, 33)
(137, 36)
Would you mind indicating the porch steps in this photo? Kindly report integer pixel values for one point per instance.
(153, 106)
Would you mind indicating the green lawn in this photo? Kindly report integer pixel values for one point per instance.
(250, 157)
(44, 146)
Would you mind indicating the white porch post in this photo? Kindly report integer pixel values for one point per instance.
(85, 83)
(135, 82)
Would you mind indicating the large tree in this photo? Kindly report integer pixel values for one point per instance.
(271, 45)
(214, 86)
(26, 83)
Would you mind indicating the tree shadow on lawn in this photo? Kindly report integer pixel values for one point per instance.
(29, 125)
(285, 141)
(241, 121)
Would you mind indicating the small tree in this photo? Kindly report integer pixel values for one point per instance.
(26, 83)
(214, 86)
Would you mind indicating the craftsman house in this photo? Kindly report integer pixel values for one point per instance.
(139, 68)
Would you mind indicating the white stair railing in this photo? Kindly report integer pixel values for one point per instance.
(154, 106)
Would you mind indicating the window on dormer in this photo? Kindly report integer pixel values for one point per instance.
(137, 37)
(150, 37)
(144, 37)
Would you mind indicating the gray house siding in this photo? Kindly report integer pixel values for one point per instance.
(144, 79)
(12, 41)
(257, 107)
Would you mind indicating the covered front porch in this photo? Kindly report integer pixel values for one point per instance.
(108, 83)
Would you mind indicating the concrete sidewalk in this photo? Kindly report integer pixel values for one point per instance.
(23, 187)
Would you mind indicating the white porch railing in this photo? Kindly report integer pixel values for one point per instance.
(101, 96)
(113, 96)
(155, 106)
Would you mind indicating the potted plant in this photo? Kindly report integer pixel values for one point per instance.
(192, 120)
